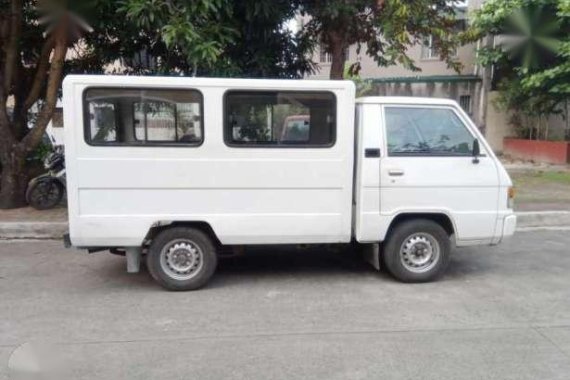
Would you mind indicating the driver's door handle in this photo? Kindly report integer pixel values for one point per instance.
(395, 172)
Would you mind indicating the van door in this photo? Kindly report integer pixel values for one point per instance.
(429, 167)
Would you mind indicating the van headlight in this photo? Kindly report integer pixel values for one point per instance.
(511, 197)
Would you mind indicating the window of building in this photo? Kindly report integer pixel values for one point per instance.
(426, 131)
(141, 117)
(280, 118)
(428, 49)
(428, 46)
(325, 57)
(465, 103)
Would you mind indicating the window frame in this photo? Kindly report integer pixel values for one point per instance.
(139, 143)
(428, 52)
(466, 98)
(466, 125)
(248, 144)
(324, 56)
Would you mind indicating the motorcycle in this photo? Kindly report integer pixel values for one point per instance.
(46, 191)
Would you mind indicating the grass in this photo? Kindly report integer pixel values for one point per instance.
(538, 177)
(560, 177)
(548, 186)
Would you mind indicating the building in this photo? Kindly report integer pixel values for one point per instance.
(434, 80)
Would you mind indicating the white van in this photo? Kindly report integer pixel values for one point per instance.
(177, 168)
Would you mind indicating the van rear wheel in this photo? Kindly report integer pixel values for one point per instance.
(417, 251)
(182, 258)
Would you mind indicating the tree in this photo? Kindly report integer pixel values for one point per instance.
(265, 48)
(26, 84)
(555, 79)
(191, 34)
(386, 28)
(233, 38)
(205, 37)
(531, 58)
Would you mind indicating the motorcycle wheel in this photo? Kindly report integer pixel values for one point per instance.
(44, 195)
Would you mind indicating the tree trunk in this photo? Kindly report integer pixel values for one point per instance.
(486, 79)
(337, 52)
(336, 46)
(14, 180)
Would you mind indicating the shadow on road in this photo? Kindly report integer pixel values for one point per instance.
(273, 264)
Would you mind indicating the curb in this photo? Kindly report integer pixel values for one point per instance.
(33, 230)
(527, 219)
(55, 230)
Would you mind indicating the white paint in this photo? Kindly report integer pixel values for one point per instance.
(267, 195)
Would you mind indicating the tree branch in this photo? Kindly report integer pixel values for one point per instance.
(11, 48)
(41, 74)
(32, 139)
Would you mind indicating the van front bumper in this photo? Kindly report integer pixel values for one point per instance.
(505, 227)
(509, 226)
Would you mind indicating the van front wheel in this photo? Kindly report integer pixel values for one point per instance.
(182, 258)
(417, 251)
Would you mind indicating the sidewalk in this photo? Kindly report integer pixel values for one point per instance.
(27, 223)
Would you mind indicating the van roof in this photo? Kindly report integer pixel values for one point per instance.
(405, 100)
(178, 81)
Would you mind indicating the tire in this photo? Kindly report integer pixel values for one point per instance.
(182, 258)
(417, 250)
(45, 194)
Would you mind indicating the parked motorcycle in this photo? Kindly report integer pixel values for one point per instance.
(45, 191)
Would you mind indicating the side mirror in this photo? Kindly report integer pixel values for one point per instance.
(476, 151)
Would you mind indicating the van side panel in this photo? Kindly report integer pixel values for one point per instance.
(247, 195)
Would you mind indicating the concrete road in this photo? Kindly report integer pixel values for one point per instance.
(499, 313)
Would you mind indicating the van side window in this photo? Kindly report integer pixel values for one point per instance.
(102, 121)
(279, 118)
(426, 131)
(114, 116)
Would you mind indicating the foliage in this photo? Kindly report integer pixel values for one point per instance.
(264, 47)
(363, 87)
(532, 57)
(555, 79)
(530, 116)
(217, 37)
(191, 28)
(385, 28)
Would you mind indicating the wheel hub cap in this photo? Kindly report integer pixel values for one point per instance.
(419, 252)
(181, 260)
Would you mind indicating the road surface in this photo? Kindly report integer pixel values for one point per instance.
(499, 313)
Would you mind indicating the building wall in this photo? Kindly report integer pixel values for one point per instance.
(499, 127)
(558, 128)
(447, 90)
(428, 66)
